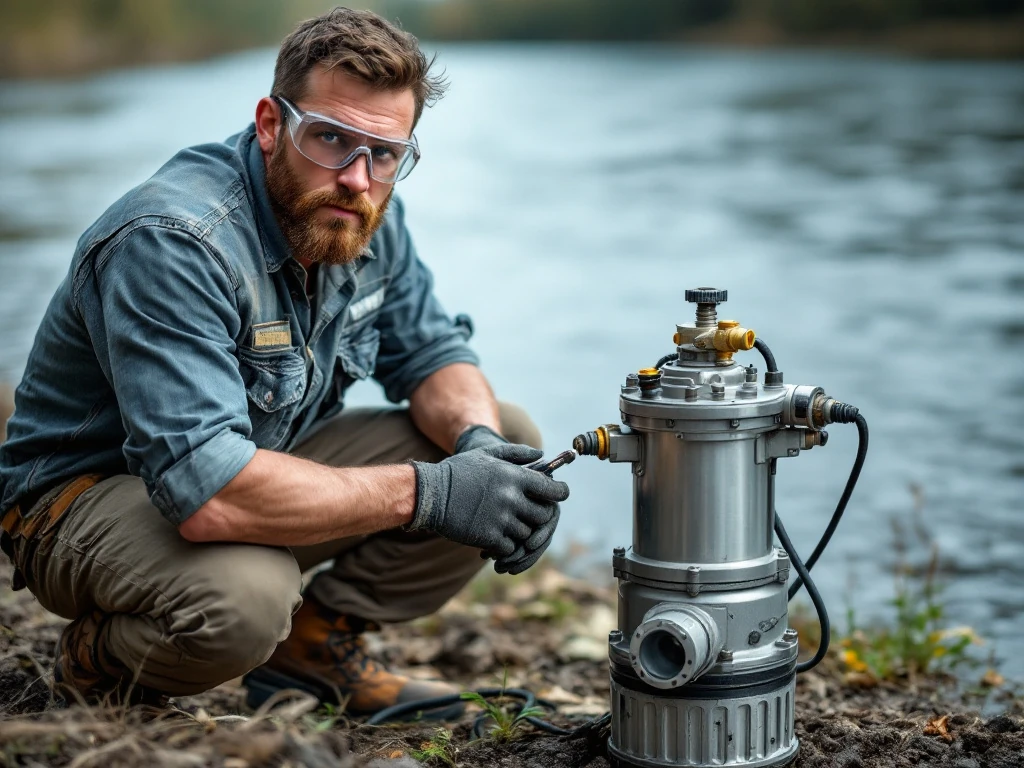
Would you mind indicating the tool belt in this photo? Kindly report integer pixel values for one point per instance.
(18, 530)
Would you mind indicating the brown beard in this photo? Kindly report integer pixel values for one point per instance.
(338, 242)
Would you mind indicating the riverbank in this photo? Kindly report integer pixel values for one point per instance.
(545, 631)
(73, 44)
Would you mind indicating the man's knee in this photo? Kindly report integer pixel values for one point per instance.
(239, 612)
(517, 426)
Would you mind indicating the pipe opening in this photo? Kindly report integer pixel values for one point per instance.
(662, 655)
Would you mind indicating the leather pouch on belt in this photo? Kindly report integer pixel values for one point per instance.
(22, 535)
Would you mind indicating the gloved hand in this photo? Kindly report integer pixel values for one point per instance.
(528, 553)
(483, 498)
(478, 436)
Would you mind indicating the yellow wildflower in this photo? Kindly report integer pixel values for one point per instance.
(853, 661)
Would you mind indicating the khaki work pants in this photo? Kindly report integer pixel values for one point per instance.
(188, 616)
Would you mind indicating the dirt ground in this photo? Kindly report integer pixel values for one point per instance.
(546, 631)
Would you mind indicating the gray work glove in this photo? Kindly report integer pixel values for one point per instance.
(478, 436)
(528, 553)
(483, 498)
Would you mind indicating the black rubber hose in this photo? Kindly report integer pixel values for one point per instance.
(812, 590)
(525, 699)
(766, 353)
(851, 483)
(665, 359)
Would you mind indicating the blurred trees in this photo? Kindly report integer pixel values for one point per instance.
(777, 20)
(39, 37)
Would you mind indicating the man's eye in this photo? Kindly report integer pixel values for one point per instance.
(384, 152)
(329, 137)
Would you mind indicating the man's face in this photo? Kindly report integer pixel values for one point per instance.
(329, 215)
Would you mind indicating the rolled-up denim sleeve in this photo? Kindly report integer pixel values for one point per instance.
(417, 337)
(161, 310)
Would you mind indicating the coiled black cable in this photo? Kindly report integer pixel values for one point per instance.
(851, 483)
(524, 699)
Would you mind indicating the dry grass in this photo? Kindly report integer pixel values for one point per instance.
(281, 732)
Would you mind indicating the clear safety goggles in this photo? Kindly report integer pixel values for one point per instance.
(333, 144)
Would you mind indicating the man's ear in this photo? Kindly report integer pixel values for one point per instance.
(269, 121)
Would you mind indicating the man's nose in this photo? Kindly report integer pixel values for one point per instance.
(355, 176)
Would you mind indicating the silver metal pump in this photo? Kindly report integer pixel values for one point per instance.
(703, 662)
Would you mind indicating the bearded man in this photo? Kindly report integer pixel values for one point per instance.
(179, 456)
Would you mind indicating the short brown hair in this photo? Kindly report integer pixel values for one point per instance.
(362, 44)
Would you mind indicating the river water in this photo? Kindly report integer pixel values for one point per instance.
(865, 213)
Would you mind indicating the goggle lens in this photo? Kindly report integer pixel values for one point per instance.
(335, 145)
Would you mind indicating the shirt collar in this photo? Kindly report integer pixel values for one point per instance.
(276, 250)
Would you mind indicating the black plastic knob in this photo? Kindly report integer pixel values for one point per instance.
(706, 295)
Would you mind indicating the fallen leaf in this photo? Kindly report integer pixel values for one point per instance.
(939, 727)
(992, 679)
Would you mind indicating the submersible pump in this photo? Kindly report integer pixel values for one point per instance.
(703, 662)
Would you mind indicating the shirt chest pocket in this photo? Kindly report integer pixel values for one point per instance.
(275, 383)
(357, 353)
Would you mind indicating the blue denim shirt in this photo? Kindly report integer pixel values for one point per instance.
(182, 338)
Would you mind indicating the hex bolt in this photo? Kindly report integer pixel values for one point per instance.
(718, 391)
(632, 380)
(615, 636)
(619, 552)
(725, 655)
(790, 635)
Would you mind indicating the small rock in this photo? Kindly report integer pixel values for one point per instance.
(522, 592)
(583, 648)
(537, 609)
(551, 582)
(599, 621)
(590, 706)
(421, 650)
(558, 695)
(503, 613)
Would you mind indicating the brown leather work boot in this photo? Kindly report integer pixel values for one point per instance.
(325, 655)
(86, 671)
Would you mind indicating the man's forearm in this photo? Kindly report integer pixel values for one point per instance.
(279, 499)
(450, 400)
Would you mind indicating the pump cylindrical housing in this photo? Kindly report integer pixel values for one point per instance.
(701, 500)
